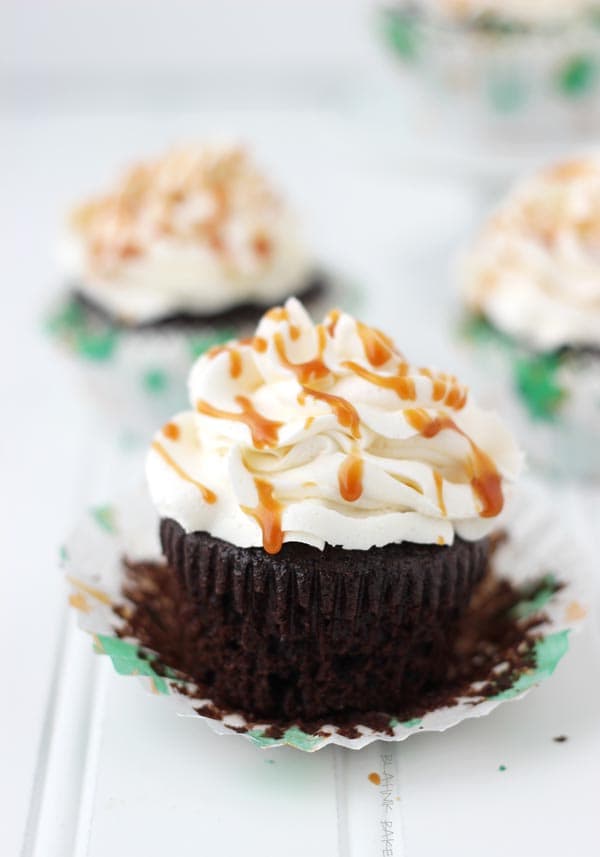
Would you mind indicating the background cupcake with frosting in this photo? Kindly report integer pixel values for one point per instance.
(531, 286)
(182, 253)
(525, 65)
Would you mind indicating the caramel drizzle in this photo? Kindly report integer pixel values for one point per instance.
(402, 384)
(312, 370)
(333, 316)
(350, 475)
(259, 343)
(439, 488)
(264, 432)
(346, 414)
(207, 495)
(379, 349)
(484, 478)
(171, 431)
(235, 358)
(267, 514)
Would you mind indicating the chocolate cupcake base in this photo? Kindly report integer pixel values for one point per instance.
(307, 632)
(242, 314)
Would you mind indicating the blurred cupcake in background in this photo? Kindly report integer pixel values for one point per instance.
(531, 285)
(525, 65)
(182, 254)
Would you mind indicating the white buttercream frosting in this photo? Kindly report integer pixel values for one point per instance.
(526, 11)
(353, 446)
(199, 230)
(534, 271)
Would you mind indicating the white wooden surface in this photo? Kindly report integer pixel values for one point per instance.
(90, 764)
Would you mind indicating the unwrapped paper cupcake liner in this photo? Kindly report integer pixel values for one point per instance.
(552, 400)
(536, 547)
(138, 377)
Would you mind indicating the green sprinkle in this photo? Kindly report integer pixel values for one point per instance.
(155, 381)
(293, 736)
(63, 553)
(401, 33)
(85, 334)
(104, 517)
(409, 724)
(501, 767)
(536, 381)
(578, 76)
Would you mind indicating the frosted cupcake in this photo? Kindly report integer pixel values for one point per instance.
(531, 283)
(326, 505)
(182, 253)
(526, 65)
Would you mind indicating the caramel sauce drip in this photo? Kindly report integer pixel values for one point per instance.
(439, 488)
(264, 432)
(447, 389)
(350, 477)
(484, 478)
(347, 415)
(378, 348)
(171, 430)
(333, 316)
(207, 495)
(307, 372)
(268, 516)
(294, 332)
(402, 384)
(259, 343)
(235, 358)
(235, 363)
(309, 420)
(277, 313)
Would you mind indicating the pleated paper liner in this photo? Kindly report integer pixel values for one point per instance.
(543, 584)
(137, 377)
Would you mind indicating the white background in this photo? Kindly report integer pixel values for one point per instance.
(88, 764)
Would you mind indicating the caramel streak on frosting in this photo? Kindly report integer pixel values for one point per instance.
(207, 495)
(342, 441)
(267, 514)
(264, 432)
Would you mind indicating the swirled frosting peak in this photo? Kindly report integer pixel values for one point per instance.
(534, 271)
(196, 231)
(326, 434)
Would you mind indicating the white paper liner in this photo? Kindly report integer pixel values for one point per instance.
(537, 545)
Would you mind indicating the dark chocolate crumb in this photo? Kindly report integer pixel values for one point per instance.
(560, 739)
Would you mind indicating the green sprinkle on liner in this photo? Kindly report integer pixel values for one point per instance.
(91, 339)
(63, 553)
(409, 724)
(293, 736)
(507, 91)
(544, 591)
(155, 381)
(534, 375)
(578, 76)
(547, 653)
(501, 767)
(126, 660)
(105, 518)
(269, 761)
(199, 344)
(401, 33)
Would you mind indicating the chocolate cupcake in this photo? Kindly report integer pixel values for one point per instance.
(531, 285)
(326, 505)
(185, 251)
